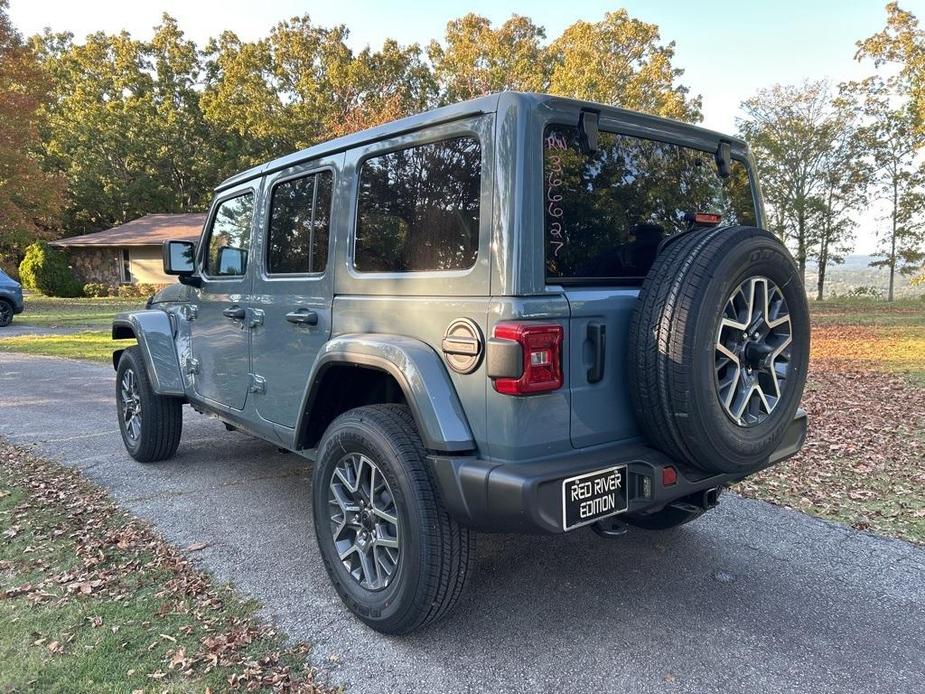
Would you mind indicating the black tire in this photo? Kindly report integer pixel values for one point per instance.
(160, 417)
(434, 550)
(6, 313)
(673, 335)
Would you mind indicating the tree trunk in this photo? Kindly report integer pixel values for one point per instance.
(801, 246)
(893, 240)
(823, 261)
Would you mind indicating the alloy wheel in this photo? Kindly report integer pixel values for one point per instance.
(364, 521)
(752, 352)
(131, 404)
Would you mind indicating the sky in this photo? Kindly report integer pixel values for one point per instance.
(728, 49)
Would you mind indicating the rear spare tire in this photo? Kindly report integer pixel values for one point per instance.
(719, 347)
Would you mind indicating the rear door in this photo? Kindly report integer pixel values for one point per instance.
(607, 212)
(293, 285)
(219, 331)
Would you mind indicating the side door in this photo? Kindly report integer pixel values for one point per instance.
(219, 333)
(293, 285)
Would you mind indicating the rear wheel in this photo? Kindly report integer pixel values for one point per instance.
(395, 556)
(151, 424)
(6, 313)
(720, 339)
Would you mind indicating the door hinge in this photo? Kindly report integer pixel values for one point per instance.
(191, 366)
(189, 311)
(258, 384)
(257, 316)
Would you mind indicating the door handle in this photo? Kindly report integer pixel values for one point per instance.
(597, 334)
(302, 316)
(235, 313)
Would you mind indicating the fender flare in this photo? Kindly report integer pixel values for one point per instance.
(154, 332)
(419, 372)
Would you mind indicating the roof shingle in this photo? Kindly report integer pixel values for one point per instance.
(150, 230)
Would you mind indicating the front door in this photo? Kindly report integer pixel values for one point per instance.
(220, 329)
(292, 287)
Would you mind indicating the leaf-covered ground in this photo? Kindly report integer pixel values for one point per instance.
(864, 460)
(93, 600)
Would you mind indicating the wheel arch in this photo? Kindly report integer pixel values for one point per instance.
(374, 369)
(154, 332)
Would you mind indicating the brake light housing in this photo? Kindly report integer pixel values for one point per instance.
(541, 352)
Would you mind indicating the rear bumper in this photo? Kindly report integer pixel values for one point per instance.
(527, 497)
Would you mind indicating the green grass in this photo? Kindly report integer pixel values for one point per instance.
(92, 600)
(92, 345)
(46, 311)
(868, 312)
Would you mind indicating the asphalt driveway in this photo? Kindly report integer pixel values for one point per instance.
(751, 598)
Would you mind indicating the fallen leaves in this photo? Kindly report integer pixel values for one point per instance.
(112, 555)
(863, 462)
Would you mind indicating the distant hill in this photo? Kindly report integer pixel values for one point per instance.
(856, 272)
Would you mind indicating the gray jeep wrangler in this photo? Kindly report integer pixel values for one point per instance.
(520, 313)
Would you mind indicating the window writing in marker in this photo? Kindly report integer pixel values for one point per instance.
(556, 235)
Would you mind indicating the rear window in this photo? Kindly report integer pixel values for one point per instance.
(418, 208)
(607, 212)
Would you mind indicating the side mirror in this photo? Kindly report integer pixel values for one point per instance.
(179, 257)
(231, 260)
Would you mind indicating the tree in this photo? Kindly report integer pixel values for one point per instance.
(895, 108)
(901, 42)
(791, 130)
(30, 198)
(302, 85)
(620, 61)
(894, 144)
(843, 190)
(478, 59)
(125, 127)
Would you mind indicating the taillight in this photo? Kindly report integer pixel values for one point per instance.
(541, 347)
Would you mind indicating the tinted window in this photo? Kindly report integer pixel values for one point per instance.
(418, 208)
(230, 236)
(300, 216)
(607, 212)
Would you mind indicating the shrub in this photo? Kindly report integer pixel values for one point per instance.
(45, 269)
(132, 291)
(865, 292)
(97, 290)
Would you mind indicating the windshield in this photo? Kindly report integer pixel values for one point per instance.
(607, 212)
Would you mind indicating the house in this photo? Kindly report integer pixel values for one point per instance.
(129, 253)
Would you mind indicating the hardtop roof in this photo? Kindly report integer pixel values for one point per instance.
(444, 114)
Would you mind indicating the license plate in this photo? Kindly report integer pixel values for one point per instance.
(588, 498)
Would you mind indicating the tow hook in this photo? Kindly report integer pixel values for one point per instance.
(698, 501)
(711, 498)
(610, 527)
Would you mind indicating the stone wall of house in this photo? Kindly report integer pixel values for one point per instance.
(96, 265)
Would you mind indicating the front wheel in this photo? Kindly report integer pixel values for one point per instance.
(395, 556)
(6, 313)
(151, 424)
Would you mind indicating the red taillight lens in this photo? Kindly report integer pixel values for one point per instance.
(707, 218)
(669, 476)
(541, 345)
